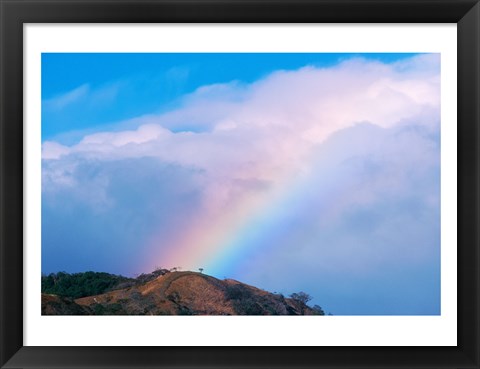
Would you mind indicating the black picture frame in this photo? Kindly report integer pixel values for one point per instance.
(15, 13)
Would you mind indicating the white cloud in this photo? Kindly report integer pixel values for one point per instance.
(85, 95)
(54, 150)
(285, 112)
(70, 97)
(271, 130)
(144, 133)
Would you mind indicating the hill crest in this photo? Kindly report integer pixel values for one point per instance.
(179, 293)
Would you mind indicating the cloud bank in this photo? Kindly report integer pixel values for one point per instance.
(317, 179)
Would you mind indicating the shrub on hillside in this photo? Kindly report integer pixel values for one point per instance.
(80, 284)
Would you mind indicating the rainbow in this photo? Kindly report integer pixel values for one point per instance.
(219, 244)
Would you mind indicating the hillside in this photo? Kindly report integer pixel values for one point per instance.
(179, 293)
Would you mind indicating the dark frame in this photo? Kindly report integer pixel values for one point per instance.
(14, 13)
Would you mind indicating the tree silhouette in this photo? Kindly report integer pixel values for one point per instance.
(301, 297)
(317, 310)
(201, 270)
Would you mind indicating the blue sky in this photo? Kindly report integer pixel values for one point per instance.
(313, 172)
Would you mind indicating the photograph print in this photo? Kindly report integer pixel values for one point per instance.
(240, 184)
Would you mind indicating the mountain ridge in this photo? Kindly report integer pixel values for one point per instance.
(179, 293)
